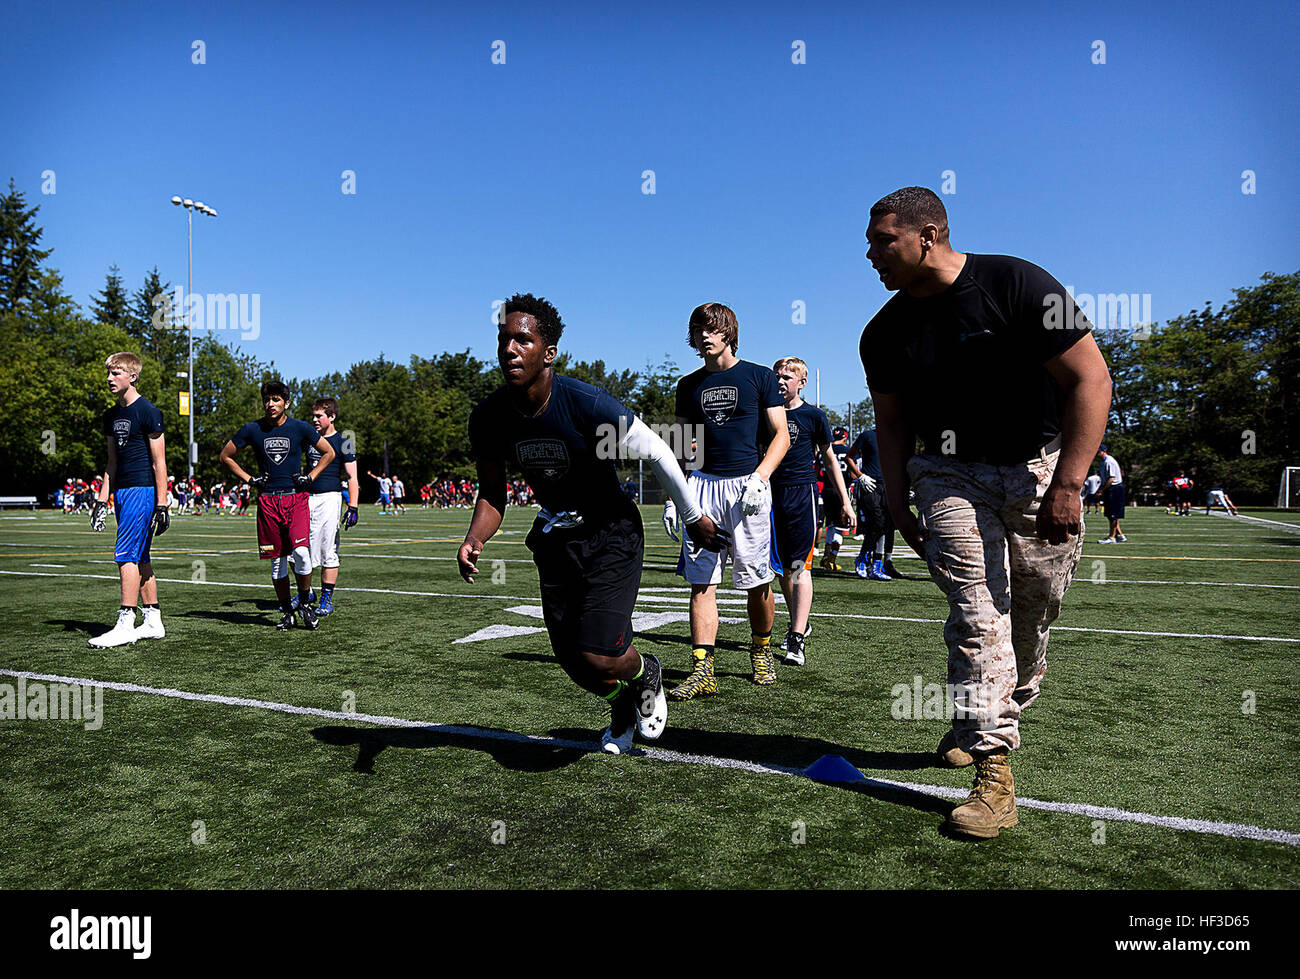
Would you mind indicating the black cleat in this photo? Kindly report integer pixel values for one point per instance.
(309, 616)
(651, 704)
(286, 622)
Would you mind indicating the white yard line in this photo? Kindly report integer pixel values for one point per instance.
(655, 601)
(1086, 810)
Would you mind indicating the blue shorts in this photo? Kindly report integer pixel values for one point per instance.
(383, 497)
(794, 516)
(134, 506)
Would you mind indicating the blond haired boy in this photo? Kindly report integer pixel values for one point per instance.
(136, 475)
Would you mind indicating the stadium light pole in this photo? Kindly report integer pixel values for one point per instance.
(190, 207)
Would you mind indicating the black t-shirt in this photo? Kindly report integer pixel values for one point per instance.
(332, 476)
(567, 453)
(279, 448)
(130, 427)
(866, 454)
(730, 405)
(809, 428)
(968, 363)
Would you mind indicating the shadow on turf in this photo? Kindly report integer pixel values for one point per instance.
(76, 625)
(263, 605)
(518, 756)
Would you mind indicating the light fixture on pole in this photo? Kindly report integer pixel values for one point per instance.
(190, 207)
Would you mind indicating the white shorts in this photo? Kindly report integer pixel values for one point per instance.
(1218, 498)
(751, 537)
(324, 511)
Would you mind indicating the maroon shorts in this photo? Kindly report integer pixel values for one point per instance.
(283, 523)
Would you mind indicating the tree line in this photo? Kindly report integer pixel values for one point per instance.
(1212, 392)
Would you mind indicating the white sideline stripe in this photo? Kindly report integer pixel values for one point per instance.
(1203, 826)
(662, 603)
(1272, 523)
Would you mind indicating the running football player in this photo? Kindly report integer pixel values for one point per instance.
(587, 540)
(283, 524)
(136, 476)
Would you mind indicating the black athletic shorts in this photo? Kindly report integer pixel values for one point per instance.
(794, 524)
(873, 515)
(590, 576)
(1113, 508)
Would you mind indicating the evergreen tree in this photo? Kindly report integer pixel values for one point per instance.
(20, 252)
(112, 305)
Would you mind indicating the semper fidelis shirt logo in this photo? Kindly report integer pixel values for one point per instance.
(122, 429)
(276, 448)
(718, 403)
(549, 458)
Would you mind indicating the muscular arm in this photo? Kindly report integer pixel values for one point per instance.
(780, 444)
(487, 518)
(1084, 379)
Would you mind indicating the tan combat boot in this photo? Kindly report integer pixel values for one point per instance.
(952, 756)
(991, 804)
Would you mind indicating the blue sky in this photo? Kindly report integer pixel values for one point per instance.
(474, 179)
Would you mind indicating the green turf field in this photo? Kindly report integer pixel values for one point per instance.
(172, 792)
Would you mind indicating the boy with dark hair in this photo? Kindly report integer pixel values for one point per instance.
(283, 524)
(738, 405)
(587, 541)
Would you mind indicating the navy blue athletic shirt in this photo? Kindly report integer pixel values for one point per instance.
(279, 448)
(730, 405)
(332, 476)
(567, 453)
(809, 429)
(130, 427)
(865, 450)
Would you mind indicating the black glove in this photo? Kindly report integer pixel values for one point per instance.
(162, 519)
(98, 516)
(302, 481)
(257, 482)
(350, 518)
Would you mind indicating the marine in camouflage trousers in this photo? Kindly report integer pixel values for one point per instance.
(1004, 586)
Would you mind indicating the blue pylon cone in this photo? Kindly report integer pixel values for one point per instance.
(833, 768)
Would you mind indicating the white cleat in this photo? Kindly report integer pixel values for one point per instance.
(651, 704)
(151, 627)
(122, 634)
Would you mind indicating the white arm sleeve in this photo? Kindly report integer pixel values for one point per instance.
(641, 443)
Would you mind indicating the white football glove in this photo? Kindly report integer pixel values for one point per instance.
(98, 516)
(670, 520)
(757, 496)
(867, 483)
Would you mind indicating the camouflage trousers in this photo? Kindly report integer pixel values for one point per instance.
(1004, 586)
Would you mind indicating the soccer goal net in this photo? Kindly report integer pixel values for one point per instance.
(1288, 493)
